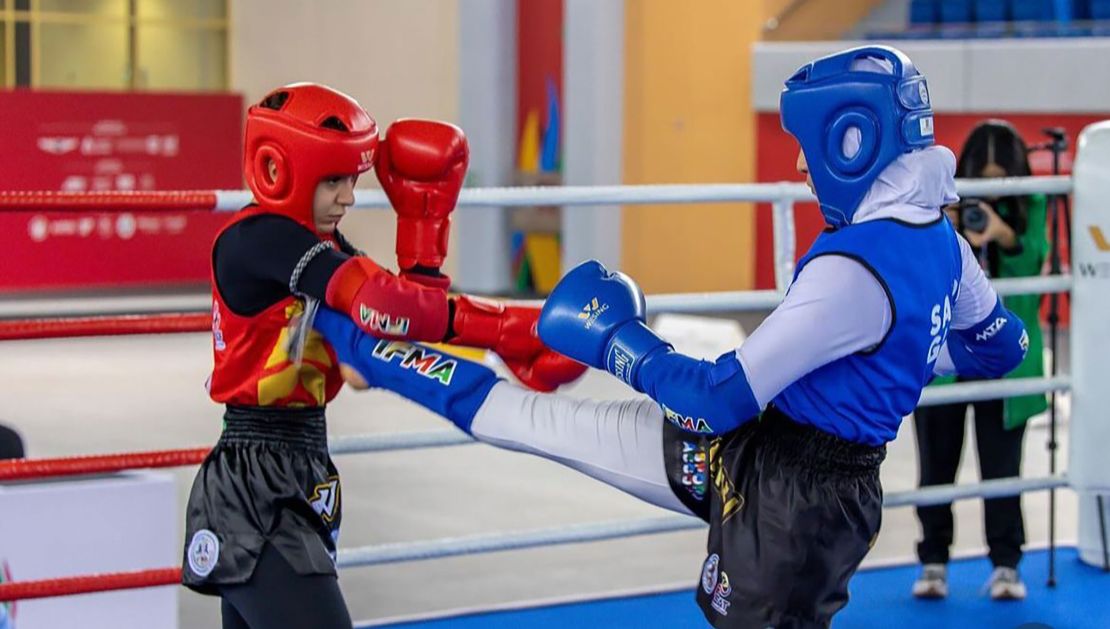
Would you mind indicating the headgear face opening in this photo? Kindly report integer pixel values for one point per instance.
(853, 113)
(308, 132)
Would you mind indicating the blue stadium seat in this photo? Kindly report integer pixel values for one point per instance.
(992, 10)
(1034, 10)
(1100, 9)
(956, 12)
(923, 12)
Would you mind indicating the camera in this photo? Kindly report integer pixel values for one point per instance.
(972, 217)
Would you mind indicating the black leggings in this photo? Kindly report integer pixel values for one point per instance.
(276, 597)
(940, 443)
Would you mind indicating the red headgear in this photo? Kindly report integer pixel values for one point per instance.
(309, 132)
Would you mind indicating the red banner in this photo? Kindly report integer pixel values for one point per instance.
(82, 141)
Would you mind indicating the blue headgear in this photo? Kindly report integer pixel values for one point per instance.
(889, 113)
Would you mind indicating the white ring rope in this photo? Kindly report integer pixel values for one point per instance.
(783, 196)
(231, 200)
(958, 392)
(579, 533)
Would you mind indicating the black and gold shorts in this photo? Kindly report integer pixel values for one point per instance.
(269, 480)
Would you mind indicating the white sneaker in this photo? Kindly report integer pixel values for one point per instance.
(933, 582)
(1006, 585)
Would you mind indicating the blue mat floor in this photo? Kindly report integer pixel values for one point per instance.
(880, 600)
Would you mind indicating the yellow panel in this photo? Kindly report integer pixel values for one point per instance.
(99, 8)
(544, 256)
(175, 58)
(689, 118)
(3, 50)
(89, 55)
(181, 9)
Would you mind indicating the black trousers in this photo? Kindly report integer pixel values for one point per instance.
(276, 597)
(940, 442)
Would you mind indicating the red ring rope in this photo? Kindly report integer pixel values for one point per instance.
(16, 329)
(22, 469)
(45, 201)
(84, 584)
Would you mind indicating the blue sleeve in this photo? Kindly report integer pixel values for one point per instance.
(991, 348)
(449, 386)
(698, 395)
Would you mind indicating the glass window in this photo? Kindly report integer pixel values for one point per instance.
(177, 10)
(179, 58)
(90, 54)
(99, 8)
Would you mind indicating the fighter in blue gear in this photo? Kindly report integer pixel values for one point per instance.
(777, 444)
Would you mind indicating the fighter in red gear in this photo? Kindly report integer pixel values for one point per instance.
(264, 512)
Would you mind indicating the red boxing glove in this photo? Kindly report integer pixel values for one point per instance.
(510, 331)
(385, 305)
(421, 165)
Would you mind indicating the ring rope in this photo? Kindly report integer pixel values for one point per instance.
(232, 200)
(88, 583)
(516, 540)
(784, 194)
(23, 469)
(108, 325)
(110, 201)
(688, 303)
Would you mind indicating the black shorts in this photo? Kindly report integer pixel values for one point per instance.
(791, 510)
(269, 480)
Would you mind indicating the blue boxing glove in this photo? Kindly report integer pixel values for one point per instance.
(598, 318)
(449, 386)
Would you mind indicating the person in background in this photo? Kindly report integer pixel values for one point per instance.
(1008, 235)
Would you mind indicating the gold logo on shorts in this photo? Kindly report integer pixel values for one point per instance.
(731, 502)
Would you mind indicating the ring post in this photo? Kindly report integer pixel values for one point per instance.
(1090, 338)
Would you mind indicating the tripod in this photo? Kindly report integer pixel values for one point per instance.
(1057, 143)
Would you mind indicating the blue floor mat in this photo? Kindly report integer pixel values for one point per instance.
(880, 600)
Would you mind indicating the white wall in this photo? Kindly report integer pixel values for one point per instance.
(399, 59)
(487, 112)
(593, 62)
(1012, 75)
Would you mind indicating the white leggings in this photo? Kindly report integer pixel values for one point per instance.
(619, 443)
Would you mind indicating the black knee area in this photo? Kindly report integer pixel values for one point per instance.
(11, 444)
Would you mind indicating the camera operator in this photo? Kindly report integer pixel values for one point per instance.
(1009, 233)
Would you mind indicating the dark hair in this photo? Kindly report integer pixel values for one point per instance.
(997, 142)
(276, 101)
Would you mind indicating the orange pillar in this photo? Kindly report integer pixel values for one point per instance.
(689, 118)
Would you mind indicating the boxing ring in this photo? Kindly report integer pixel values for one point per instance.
(1087, 475)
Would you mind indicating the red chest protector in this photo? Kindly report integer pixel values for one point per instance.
(252, 364)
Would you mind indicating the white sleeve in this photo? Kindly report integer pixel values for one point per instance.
(836, 307)
(617, 442)
(977, 297)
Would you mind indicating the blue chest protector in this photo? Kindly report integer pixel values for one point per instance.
(864, 396)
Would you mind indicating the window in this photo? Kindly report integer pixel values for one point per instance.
(114, 44)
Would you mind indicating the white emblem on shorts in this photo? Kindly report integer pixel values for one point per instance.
(204, 550)
(325, 499)
(720, 600)
(709, 573)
